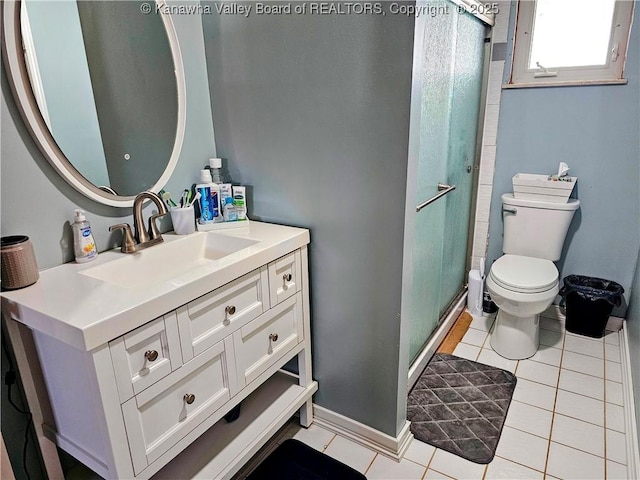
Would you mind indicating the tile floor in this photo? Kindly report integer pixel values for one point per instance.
(566, 420)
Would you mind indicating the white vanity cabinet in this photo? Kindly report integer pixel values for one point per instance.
(151, 400)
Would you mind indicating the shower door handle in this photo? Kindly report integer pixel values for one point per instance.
(442, 191)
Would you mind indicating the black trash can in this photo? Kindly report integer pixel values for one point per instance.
(589, 302)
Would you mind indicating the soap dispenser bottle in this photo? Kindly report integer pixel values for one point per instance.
(84, 246)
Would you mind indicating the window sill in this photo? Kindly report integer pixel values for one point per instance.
(572, 83)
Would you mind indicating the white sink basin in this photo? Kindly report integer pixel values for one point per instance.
(174, 261)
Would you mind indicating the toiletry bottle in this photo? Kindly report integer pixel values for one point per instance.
(217, 174)
(240, 202)
(84, 246)
(229, 210)
(205, 203)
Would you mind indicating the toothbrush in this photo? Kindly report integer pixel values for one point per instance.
(183, 199)
(166, 196)
(195, 199)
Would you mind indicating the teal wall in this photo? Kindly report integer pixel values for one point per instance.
(633, 331)
(312, 112)
(594, 129)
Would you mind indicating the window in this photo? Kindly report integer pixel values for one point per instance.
(571, 42)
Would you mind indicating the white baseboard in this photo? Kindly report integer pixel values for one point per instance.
(434, 342)
(392, 447)
(631, 427)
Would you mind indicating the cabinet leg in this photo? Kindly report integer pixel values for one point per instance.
(306, 414)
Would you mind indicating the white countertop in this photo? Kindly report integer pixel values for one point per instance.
(86, 312)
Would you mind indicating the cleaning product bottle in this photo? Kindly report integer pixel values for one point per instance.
(205, 201)
(84, 246)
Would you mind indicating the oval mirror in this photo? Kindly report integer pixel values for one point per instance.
(101, 87)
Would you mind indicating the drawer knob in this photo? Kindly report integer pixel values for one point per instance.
(151, 355)
(189, 398)
(273, 337)
(230, 309)
(287, 277)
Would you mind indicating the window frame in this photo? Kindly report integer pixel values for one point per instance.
(610, 73)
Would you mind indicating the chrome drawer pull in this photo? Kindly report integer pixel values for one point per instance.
(287, 277)
(151, 355)
(273, 337)
(230, 309)
(189, 398)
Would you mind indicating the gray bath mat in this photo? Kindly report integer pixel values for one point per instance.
(460, 406)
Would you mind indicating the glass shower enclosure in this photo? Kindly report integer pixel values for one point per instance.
(445, 107)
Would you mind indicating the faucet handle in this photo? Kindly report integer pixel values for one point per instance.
(153, 227)
(128, 243)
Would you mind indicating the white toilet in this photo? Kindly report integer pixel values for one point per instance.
(524, 281)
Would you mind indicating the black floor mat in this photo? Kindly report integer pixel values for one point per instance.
(293, 460)
(460, 406)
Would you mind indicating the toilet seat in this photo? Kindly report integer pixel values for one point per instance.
(524, 274)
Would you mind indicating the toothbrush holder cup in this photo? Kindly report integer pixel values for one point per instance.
(183, 219)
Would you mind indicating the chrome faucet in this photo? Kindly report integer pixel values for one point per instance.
(142, 238)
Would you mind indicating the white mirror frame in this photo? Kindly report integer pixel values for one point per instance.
(23, 95)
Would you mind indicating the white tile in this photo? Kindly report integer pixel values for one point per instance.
(523, 448)
(494, 82)
(383, 468)
(474, 337)
(552, 324)
(489, 357)
(487, 164)
(583, 364)
(350, 453)
(314, 436)
(420, 452)
(480, 234)
(500, 468)
(433, 475)
(538, 372)
(580, 407)
(614, 393)
(469, 352)
(583, 384)
(548, 355)
(571, 464)
(612, 338)
(579, 344)
(455, 466)
(613, 371)
(483, 204)
(491, 124)
(616, 447)
(482, 323)
(535, 394)
(551, 338)
(615, 417)
(612, 352)
(616, 471)
(578, 434)
(501, 27)
(529, 419)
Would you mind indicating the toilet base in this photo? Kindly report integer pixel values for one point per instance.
(515, 338)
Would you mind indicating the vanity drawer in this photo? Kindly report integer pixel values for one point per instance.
(285, 277)
(210, 318)
(145, 355)
(261, 343)
(165, 413)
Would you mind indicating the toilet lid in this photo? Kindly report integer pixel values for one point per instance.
(524, 274)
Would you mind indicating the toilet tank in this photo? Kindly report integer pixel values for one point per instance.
(536, 229)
